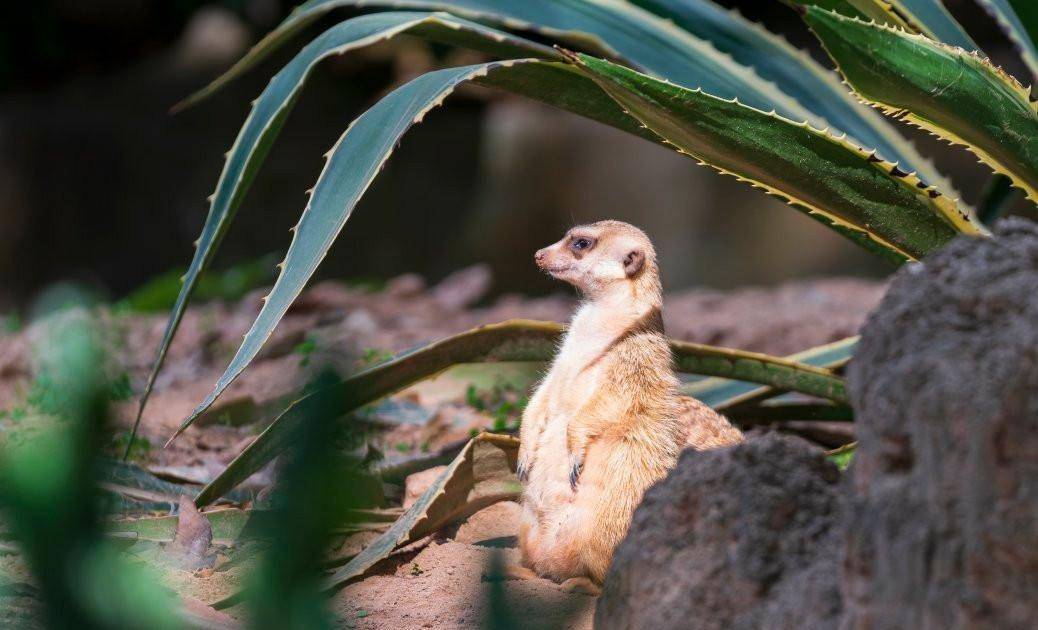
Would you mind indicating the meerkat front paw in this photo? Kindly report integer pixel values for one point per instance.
(575, 467)
(524, 461)
(522, 470)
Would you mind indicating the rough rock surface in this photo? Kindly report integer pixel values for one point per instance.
(733, 538)
(942, 530)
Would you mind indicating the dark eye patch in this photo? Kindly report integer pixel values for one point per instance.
(581, 244)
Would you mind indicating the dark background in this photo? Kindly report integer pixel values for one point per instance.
(99, 185)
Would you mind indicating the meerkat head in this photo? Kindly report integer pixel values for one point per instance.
(600, 257)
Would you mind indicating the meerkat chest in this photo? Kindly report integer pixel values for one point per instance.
(572, 387)
(577, 372)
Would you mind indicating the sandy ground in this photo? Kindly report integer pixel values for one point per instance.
(442, 583)
(449, 584)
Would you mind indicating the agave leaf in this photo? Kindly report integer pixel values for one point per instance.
(524, 340)
(796, 73)
(607, 27)
(517, 340)
(308, 13)
(699, 54)
(365, 146)
(955, 95)
(133, 481)
(355, 160)
(481, 475)
(878, 11)
(928, 17)
(1018, 19)
(723, 394)
(271, 109)
(232, 524)
(818, 173)
(397, 471)
(932, 19)
(694, 358)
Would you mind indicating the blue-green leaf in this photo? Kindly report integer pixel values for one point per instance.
(816, 172)
(351, 166)
(521, 340)
(722, 393)
(864, 196)
(927, 17)
(932, 19)
(1019, 20)
(796, 73)
(273, 106)
(712, 56)
(957, 95)
(606, 26)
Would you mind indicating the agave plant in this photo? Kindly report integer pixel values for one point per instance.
(686, 74)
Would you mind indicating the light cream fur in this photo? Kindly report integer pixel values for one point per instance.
(606, 421)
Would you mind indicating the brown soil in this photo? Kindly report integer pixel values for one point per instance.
(444, 584)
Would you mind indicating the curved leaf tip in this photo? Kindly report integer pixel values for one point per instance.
(954, 94)
(271, 109)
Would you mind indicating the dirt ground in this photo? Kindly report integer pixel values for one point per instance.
(443, 582)
(448, 584)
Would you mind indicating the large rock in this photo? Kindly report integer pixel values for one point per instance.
(943, 530)
(733, 538)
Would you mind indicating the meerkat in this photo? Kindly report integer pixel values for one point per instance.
(607, 420)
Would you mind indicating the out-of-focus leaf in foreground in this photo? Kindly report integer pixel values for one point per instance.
(50, 499)
(315, 493)
(843, 456)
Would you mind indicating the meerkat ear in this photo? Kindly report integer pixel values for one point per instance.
(633, 262)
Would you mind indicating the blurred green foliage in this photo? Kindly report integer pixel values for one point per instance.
(374, 356)
(50, 499)
(843, 456)
(305, 350)
(316, 493)
(138, 451)
(504, 402)
(11, 323)
(159, 293)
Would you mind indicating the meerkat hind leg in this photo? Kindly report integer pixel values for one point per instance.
(581, 585)
(516, 572)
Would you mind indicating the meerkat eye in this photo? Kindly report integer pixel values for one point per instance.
(581, 243)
